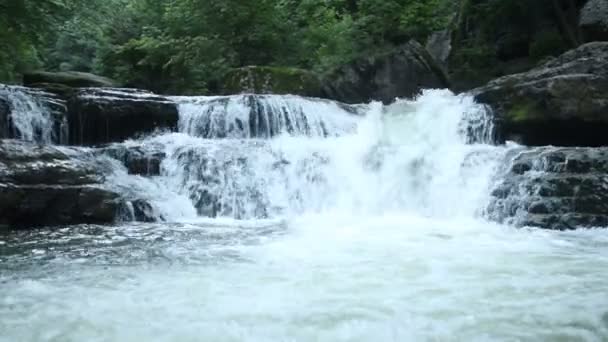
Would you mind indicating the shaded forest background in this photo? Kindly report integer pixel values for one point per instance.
(184, 46)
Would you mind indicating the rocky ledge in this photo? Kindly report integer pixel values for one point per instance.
(104, 115)
(555, 188)
(563, 102)
(48, 185)
(402, 72)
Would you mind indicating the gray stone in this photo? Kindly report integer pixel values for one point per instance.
(68, 78)
(43, 185)
(563, 102)
(99, 116)
(402, 72)
(560, 188)
(594, 20)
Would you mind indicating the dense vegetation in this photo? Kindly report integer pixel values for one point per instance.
(178, 46)
(182, 46)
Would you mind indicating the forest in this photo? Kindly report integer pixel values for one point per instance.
(184, 46)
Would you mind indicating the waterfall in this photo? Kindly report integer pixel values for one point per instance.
(33, 115)
(278, 156)
(264, 116)
(430, 156)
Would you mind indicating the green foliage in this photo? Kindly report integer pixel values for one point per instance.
(185, 46)
(24, 25)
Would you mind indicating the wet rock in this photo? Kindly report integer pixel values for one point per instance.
(45, 185)
(402, 72)
(67, 78)
(563, 102)
(99, 116)
(594, 20)
(139, 159)
(560, 188)
(271, 80)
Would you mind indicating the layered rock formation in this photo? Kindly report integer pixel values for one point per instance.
(556, 188)
(563, 102)
(98, 116)
(46, 185)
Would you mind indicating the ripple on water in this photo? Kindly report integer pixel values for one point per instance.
(316, 278)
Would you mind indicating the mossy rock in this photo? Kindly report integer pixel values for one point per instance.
(67, 78)
(271, 80)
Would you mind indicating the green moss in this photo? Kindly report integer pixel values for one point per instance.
(271, 80)
(524, 110)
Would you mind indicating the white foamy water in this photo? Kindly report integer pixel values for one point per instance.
(30, 116)
(372, 234)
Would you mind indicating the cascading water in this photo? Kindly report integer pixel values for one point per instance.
(411, 156)
(264, 116)
(33, 115)
(311, 221)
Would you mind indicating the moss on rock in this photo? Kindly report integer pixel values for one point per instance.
(68, 78)
(271, 80)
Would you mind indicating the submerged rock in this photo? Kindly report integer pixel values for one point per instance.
(402, 72)
(563, 102)
(99, 116)
(554, 188)
(271, 80)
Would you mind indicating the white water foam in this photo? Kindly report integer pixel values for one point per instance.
(411, 156)
(31, 117)
(264, 116)
(370, 235)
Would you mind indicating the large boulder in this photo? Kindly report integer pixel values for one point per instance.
(594, 20)
(67, 78)
(554, 188)
(563, 102)
(46, 185)
(99, 116)
(402, 72)
(270, 80)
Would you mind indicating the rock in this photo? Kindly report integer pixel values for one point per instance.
(271, 80)
(46, 185)
(67, 78)
(559, 188)
(593, 20)
(564, 102)
(497, 38)
(439, 47)
(43, 185)
(402, 72)
(99, 116)
(5, 121)
(139, 159)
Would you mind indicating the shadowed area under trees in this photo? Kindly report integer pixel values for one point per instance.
(186, 46)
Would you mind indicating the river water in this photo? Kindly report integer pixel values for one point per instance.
(338, 224)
